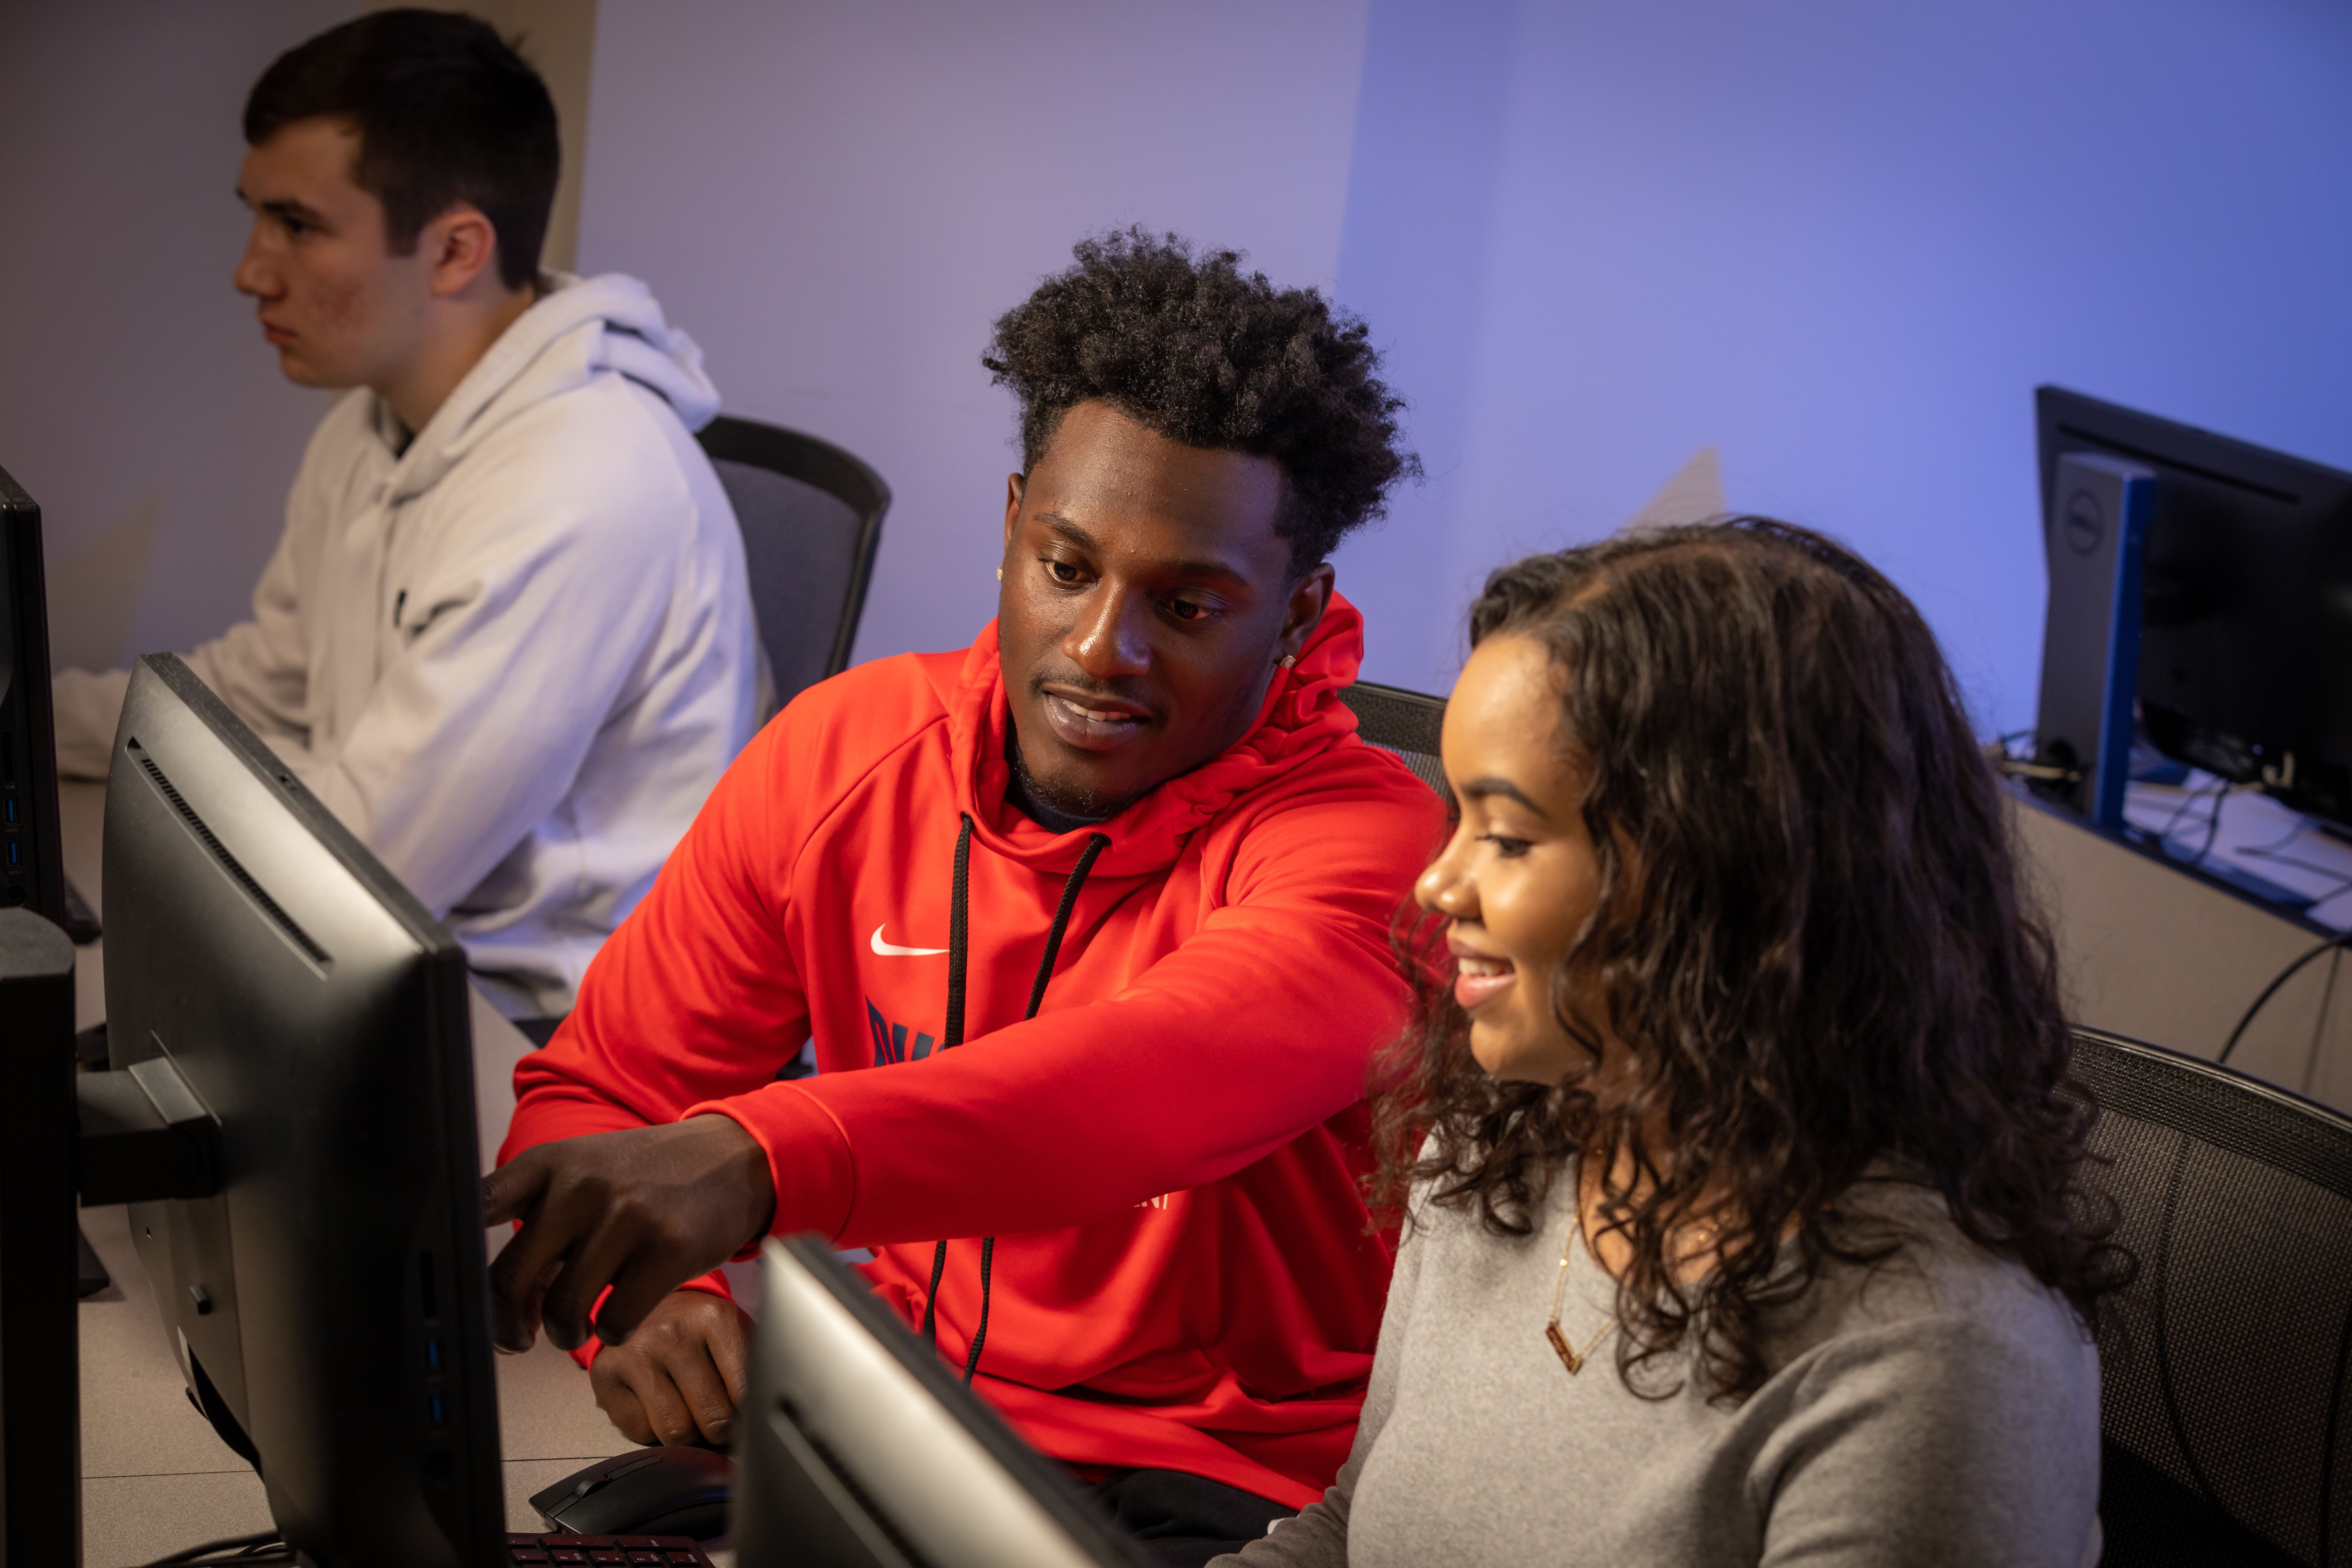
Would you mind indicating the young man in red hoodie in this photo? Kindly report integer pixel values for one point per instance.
(1087, 927)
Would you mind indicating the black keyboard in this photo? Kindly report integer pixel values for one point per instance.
(661, 1550)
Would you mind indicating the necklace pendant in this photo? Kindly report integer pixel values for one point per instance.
(1568, 1357)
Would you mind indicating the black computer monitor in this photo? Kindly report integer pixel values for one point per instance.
(2245, 609)
(31, 872)
(329, 1306)
(858, 1449)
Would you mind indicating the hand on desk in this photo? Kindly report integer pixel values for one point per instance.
(642, 1211)
(681, 1375)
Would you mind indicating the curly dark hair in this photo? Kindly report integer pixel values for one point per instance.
(1189, 346)
(1810, 936)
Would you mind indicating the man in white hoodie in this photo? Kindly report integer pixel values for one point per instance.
(507, 635)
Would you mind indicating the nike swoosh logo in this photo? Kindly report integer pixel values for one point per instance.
(892, 950)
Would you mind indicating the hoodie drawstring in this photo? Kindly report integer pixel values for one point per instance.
(958, 947)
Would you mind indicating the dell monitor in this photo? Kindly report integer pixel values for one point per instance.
(2243, 611)
(329, 1305)
(31, 873)
(857, 1448)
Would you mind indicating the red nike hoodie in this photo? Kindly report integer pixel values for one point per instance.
(1168, 1154)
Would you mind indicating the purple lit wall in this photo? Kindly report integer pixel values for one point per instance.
(1839, 242)
(839, 200)
(138, 401)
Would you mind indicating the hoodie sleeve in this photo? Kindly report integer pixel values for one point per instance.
(708, 941)
(1259, 1027)
(260, 667)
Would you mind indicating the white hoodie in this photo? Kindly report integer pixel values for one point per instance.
(514, 657)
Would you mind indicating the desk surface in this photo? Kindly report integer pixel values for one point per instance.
(154, 1477)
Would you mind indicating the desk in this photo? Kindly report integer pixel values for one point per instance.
(154, 1476)
(2149, 950)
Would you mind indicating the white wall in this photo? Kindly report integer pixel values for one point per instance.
(138, 402)
(838, 200)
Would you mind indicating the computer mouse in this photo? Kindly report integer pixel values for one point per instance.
(653, 1491)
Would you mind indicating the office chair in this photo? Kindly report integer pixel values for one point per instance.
(1404, 722)
(2226, 1435)
(812, 519)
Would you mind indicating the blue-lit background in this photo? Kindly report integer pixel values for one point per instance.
(1837, 242)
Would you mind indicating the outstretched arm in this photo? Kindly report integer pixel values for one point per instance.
(596, 1153)
(1258, 1027)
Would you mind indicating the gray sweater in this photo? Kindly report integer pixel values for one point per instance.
(1943, 1409)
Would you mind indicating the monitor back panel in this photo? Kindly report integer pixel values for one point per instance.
(31, 873)
(333, 1299)
(2247, 601)
(858, 1447)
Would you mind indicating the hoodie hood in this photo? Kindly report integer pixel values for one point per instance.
(1302, 714)
(581, 327)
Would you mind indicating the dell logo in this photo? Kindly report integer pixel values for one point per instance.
(2085, 522)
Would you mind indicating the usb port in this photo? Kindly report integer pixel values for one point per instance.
(436, 1408)
(12, 811)
(16, 853)
(433, 1355)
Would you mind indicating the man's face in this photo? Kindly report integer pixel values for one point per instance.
(1146, 604)
(340, 309)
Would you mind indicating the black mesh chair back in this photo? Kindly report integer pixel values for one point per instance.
(812, 519)
(2223, 1365)
(1404, 722)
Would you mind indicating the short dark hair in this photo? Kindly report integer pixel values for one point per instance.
(1189, 346)
(1812, 936)
(447, 113)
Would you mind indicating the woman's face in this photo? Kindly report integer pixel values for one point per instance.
(1517, 879)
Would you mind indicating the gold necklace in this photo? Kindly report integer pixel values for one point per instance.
(1569, 1357)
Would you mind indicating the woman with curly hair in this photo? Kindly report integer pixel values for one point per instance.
(1739, 1160)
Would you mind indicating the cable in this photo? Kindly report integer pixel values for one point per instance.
(2188, 803)
(241, 1543)
(2283, 975)
(2160, 839)
(2319, 1022)
(2212, 827)
(2330, 897)
(2302, 826)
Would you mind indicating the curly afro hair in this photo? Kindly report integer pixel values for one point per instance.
(1189, 345)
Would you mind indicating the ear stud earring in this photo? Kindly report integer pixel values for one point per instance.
(1288, 659)
(999, 573)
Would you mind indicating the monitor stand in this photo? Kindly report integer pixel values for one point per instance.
(2097, 530)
